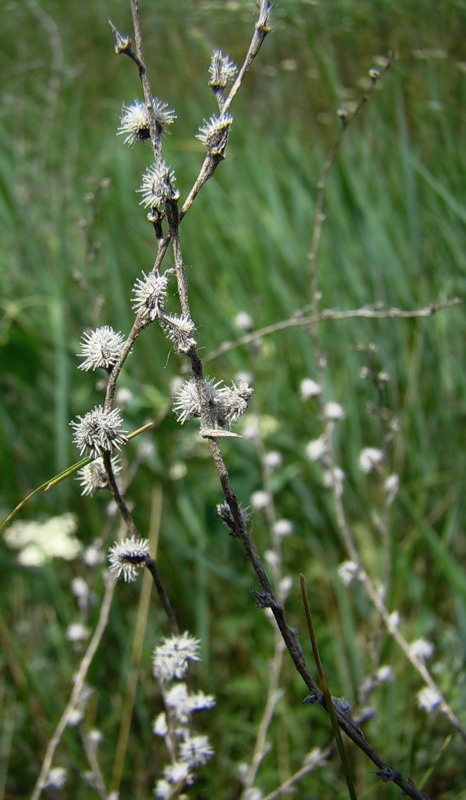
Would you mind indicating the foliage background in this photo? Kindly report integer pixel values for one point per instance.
(394, 233)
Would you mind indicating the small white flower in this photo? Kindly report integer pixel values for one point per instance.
(160, 727)
(177, 698)
(428, 699)
(316, 449)
(56, 778)
(333, 412)
(198, 701)
(251, 430)
(95, 737)
(80, 588)
(221, 70)
(309, 388)
(391, 486)
(214, 134)
(282, 528)
(172, 656)
(284, 588)
(384, 674)
(128, 557)
(75, 717)
(163, 789)
(393, 621)
(370, 458)
(271, 558)
(272, 459)
(94, 555)
(260, 499)
(348, 571)
(98, 431)
(178, 470)
(184, 704)
(157, 186)
(124, 396)
(195, 750)
(134, 121)
(93, 476)
(176, 772)
(333, 479)
(77, 632)
(252, 794)
(421, 649)
(243, 321)
(149, 295)
(101, 348)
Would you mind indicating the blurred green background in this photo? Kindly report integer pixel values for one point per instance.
(70, 252)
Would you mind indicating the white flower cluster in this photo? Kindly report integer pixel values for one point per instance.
(187, 749)
(370, 458)
(39, 542)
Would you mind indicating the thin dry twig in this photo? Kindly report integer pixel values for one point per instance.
(299, 319)
(78, 687)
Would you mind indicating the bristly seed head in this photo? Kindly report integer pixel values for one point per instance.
(221, 70)
(180, 331)
(157, 186)
(93, 477)
(226, 403)
(134, 120)
(186, 400)
(101, 348)
(128, 557)
(149, 295)
(214, 134)
(98, 431)
(225, 514)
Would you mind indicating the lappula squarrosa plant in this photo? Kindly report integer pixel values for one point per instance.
(101, 431)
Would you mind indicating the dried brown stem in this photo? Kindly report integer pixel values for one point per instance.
(300, 320)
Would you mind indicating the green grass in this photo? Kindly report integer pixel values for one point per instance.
(394, 233)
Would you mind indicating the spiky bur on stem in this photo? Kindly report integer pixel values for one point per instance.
(135, 121)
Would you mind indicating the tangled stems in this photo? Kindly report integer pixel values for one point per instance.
(237, 519)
